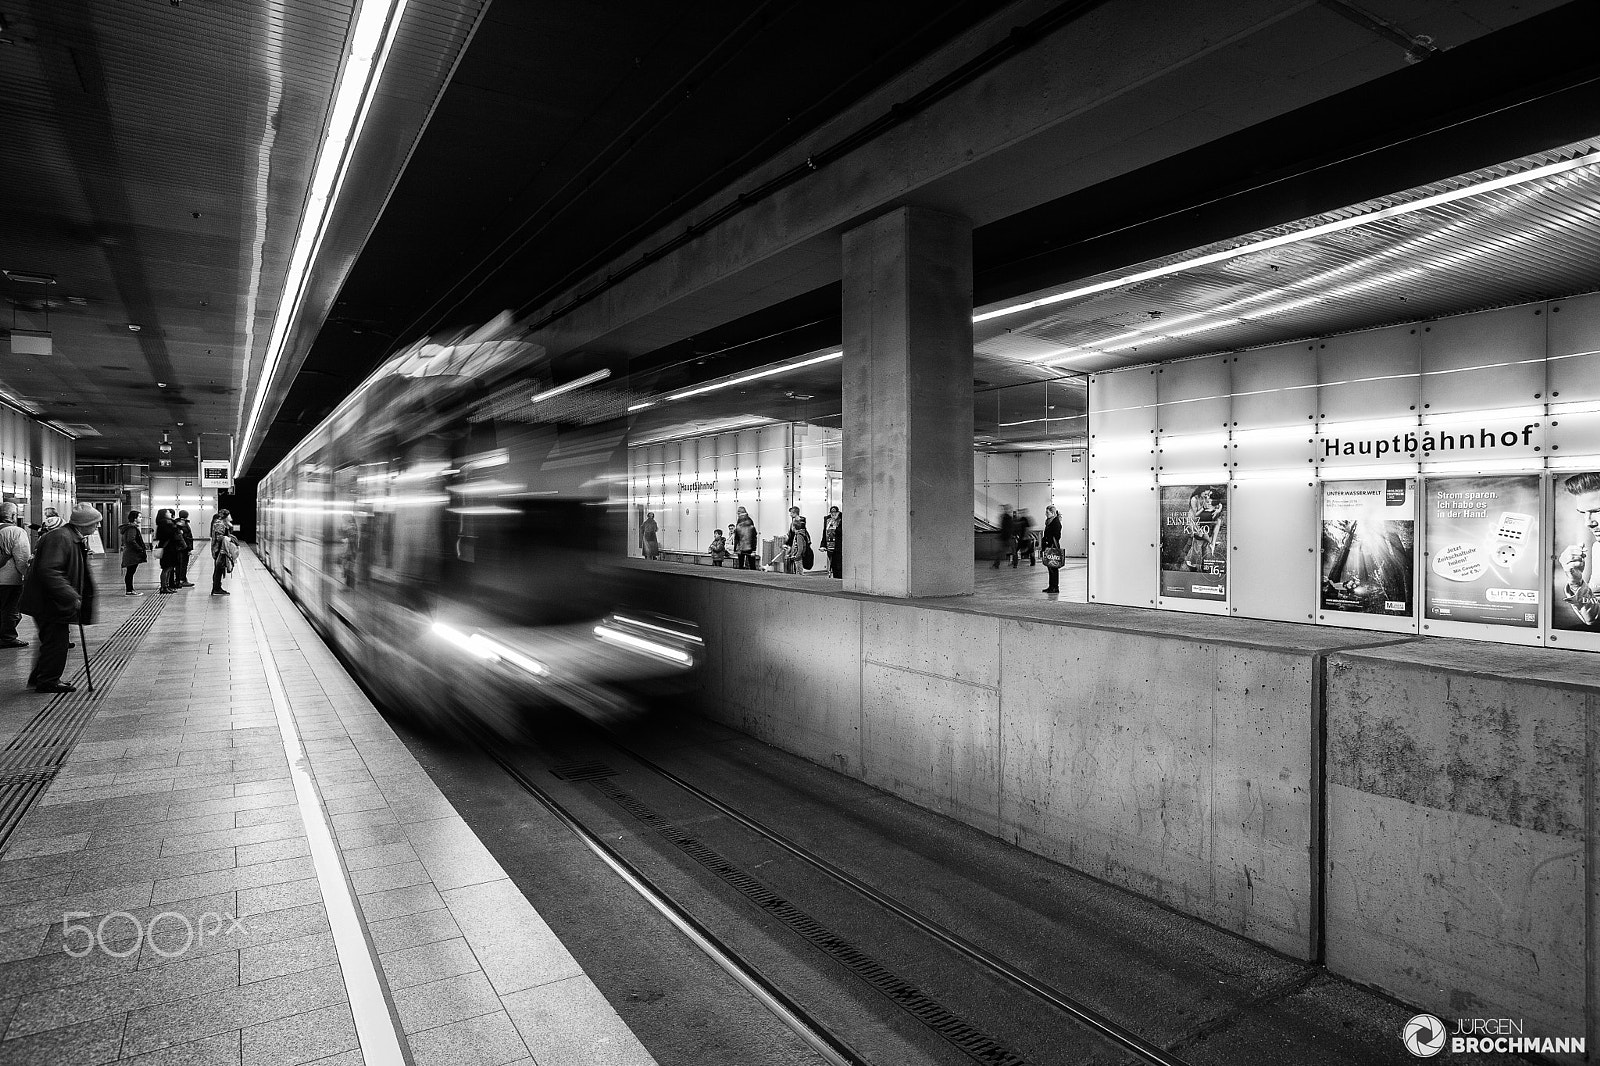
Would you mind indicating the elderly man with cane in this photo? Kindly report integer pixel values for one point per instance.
(59, 592)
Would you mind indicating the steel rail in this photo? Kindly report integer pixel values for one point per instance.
(816, 1036)
(1085, 1015)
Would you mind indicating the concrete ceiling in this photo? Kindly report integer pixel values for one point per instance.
(533, 158)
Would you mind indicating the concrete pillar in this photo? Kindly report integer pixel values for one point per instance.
(908, 405)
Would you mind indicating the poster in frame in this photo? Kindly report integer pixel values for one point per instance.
(1367, 561)
(1194, 547)
(1483, 574)
(1575, 570)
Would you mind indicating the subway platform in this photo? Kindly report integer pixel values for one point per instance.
(223, 854)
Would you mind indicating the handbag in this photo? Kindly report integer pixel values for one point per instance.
(1053, 556)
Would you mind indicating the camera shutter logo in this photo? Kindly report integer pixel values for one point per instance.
(1423, 1036)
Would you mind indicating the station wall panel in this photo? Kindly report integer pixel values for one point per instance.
(1375, 374)
(1273, 527)
(1493, 359)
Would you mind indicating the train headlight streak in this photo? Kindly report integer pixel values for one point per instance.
(489, 650)
(623, 619)
(649, 647)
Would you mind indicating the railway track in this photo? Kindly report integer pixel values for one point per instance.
(938, 992)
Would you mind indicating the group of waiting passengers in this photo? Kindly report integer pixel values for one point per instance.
(48, 576)
(742, 543)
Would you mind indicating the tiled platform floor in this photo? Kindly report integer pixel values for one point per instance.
(173, 834)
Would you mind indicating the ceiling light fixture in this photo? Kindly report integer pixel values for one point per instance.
(29, 277)
(1336, 226)
(577, 383)
(769, 372)
(166, 445)
(371, 38)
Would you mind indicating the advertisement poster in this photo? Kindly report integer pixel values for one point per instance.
(1369, 546)
(1194, 541)
(1484, 545)
(1576, 605)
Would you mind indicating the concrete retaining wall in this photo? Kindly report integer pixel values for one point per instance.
(1460, 825)
(1437, 848)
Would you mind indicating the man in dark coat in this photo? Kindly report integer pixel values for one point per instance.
(59, 592)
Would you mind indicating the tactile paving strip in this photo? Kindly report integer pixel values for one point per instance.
(30, 762)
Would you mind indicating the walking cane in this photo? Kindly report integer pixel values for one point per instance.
(83, 645)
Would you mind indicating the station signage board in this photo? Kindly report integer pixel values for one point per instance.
(214, 474)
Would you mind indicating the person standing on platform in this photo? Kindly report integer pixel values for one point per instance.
(833, 541)
(187, 534)
(1053, 557)
(790, 559)
(1007, 529)
(221, 532)
(798, 556)
(169, 542)
(60, 591)
(16, 553)
(649, 546)
(134, 551)
(718, 548)
(1022, 526)
(744, 541)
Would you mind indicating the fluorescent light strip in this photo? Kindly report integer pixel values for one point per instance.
(1313, 232)
(771, 371)
(562, 390)
(371, 40)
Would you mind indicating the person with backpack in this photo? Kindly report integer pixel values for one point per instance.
(16, 553)
(134, 551)
(60, 591)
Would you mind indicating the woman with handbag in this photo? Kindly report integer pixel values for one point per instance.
(134, 551)
(1052, 554)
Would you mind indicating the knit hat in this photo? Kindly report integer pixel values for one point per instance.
(743, 511)
(84, 516)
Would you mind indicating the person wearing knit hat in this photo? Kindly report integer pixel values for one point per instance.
(16, 552)
(59, 592)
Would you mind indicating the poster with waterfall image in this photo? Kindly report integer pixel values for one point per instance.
(1369, 546)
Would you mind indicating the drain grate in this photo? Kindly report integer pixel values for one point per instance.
(583, 771)
(29, 763)
(975, 1043)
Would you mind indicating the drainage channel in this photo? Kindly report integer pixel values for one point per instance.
(31, 761)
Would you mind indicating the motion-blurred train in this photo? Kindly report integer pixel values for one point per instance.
(450, 528)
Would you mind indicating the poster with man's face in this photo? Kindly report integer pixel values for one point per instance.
(1576, 603)
(1194, 541)
(1484, 548)
(1369, 544)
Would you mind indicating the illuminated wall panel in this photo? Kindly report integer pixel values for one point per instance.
(1275, 387)
(1274, 537)
(1573, 334)
(1493, 359)
(1195, 396)
(1370, 375)
(1123, 519)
